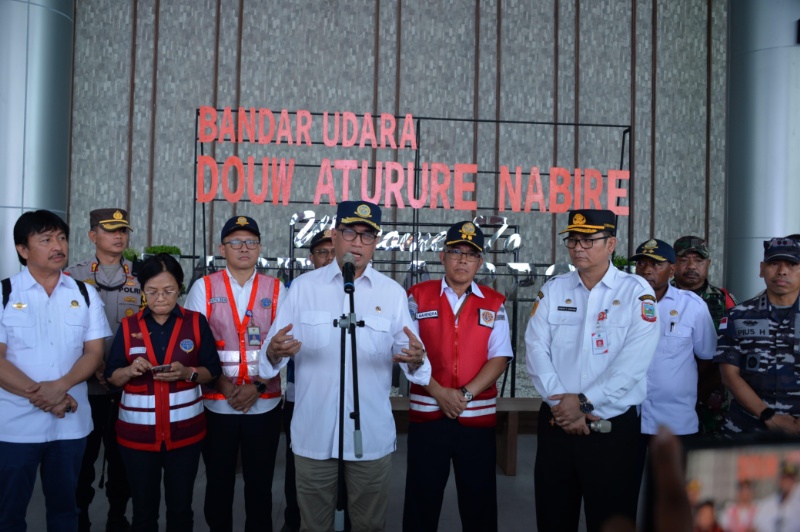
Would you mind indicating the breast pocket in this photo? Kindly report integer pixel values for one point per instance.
(678, 341)
(20, 326)
(617, 325)
(375, 339)
(566, 327)
(76, 322)
(315, 329)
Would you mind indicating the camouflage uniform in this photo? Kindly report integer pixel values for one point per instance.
(712, 408)
(767, 353)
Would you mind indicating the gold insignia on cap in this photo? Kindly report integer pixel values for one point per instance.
(74, 303)
(327, 233)
(118, 215)
(467, 231)
(650, 246)
(19, 306)
(616, 303)
(673, 312)
(568, 301)
(578, 219)
(241, 220)
(363, 211)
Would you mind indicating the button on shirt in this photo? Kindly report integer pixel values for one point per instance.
(315, 300)
(687, 330)
(44, 336)
(561, 352)
(500, 337)
(196, 300)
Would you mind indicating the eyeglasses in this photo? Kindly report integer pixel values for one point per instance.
(237, 244)
(366, 237)
(457, 255)
(327, 252)
(585, 243)
(152, 295)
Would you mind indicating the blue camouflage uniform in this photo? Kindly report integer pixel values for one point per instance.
(760, 340)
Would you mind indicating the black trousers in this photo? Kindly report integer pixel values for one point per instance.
(432, 446)
(603, 470)
(291, 514)
(105, 410)
(144, 475)
(256, 437)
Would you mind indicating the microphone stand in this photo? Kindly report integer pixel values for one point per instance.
(347, 323)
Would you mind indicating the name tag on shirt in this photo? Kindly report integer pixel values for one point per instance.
(746, 328)
(600, 343)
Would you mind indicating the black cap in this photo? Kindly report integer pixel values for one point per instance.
(109, 219)
(591, 221)
(359, 212)
(319, 238)
(782, 249)
(465, 233)
(686, 244)
(655, 249)
(240, 222)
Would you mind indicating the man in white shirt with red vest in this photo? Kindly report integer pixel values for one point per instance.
(243, 412)
(465, 330)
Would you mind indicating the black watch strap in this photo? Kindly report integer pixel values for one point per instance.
(261, 386)
(766, 414)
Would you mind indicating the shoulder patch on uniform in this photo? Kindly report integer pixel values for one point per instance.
(540, 295)
(647, 297)
(649, 311)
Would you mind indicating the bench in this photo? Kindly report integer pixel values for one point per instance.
(508, 410)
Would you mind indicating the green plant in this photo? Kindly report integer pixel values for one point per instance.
(130, 254)
(155, 250)
(620, 262)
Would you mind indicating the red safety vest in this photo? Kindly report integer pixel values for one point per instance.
(457, 352)
(154, 412)
(240, 359)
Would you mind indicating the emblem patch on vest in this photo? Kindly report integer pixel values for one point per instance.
(486, 318)
(427, 314)
(218, 300)
(187, 345)
(266, 302)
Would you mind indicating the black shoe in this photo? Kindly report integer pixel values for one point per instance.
(117, 523)
(287, 528)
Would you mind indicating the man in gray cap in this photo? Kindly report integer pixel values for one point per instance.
(691, 273)
(304, 329)
(757, 348)
(112, 275)
(589, 343)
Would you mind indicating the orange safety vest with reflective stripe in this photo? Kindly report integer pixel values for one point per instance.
(154, 412)
(457, 352)
(240, 359)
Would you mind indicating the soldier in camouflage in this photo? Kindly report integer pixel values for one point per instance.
(759, 352)
(691, 273)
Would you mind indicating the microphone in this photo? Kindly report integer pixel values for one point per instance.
(602, 426)
(349, 272)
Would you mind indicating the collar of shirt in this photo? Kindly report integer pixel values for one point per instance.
(671, 293)
(332, 270)
(176, 311)
(453, 299)
(27, 281)
(610, 278)
(233, 280)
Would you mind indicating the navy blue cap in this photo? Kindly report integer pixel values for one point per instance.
(240, 222)
(782, 249)
(359, 212)
(319, 238)
(591, 221)
(655, 249)
(465, 233)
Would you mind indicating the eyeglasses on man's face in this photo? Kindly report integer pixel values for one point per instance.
(584, 243)
(367, 237)
(237, 244)
(323, 253)
(456, 255)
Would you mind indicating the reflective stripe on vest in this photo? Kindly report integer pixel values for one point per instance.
(475, 408)
(140, 409)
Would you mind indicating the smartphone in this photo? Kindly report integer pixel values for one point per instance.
(736, 484)
(161, 369)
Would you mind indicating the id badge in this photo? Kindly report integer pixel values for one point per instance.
(254, 336)
(600, 343)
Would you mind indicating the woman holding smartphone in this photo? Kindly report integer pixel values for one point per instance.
(160, 357)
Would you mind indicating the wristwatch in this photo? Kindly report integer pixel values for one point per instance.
(586, 406)
(261, 386)
(467, 393)
(193, 376)
(766, 414)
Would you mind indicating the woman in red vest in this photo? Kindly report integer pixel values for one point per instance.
(160, 357)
